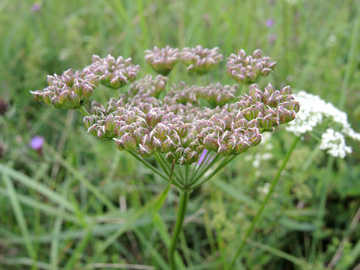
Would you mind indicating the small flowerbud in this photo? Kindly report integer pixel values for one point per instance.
(152, 118)
(241, 147)
(190, 156)
(64, 98)
(130, 117)
(253, 111)
(210, 143)
(253, 136)
(285, 90)
(170, 157)
(110, 123)
(285, 115)
(183, 130)
(253, 124)
(139, 133)
(266, 71)
(128, 141)
(242, 123)
(267, 122)
(88, 121)
(119, 144)
(224, 149)
(179, 152)
(168, 145)
(257, 54)
(145, 151)
(269, 90)
(74, 99)
(291, 106)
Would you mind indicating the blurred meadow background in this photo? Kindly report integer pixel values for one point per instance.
(78, 203)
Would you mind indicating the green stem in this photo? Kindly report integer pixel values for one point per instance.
(184, 198)
(187, 174)
(264, 203)
(148, 165)
(83, 111)
(322, 205)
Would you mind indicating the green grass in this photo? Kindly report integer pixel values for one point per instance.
(83, 204)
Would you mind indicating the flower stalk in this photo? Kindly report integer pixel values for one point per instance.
(183, 202)
(262, 206)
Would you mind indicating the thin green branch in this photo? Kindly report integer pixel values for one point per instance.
(201, 165)
(223, 164)
(264, 203)
(148, 165)
(203, 171)
(169, 171)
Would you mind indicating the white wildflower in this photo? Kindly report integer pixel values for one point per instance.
(313, 112)
(331, 41)
(264, 189)
(334, 142)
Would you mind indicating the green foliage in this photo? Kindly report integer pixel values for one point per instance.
(80, 204)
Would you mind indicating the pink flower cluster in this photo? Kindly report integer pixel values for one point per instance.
(182, 130)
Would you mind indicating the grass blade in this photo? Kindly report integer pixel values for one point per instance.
(19, 217)
(27, 181)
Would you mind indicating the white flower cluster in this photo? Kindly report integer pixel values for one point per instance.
(335, 143)
(313, 112)
(264, 189)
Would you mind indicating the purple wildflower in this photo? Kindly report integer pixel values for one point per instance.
(270, 23)
(36, 7)
(37, 143)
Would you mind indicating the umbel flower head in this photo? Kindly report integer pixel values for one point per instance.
(68, 91)
(183, 122)
(113, 73)
(201, 60)
(247, 68)
(181, 131)
(162, 60)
